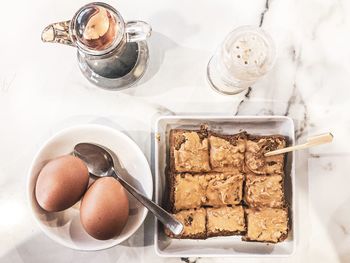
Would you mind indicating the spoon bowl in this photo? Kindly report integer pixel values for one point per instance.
(96, 158)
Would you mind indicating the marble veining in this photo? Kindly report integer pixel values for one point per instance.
(42, 91)
(262, 16)
(249, 90)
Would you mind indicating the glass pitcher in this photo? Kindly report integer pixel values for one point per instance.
(112, 54)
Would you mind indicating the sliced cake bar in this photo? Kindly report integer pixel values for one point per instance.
(223, 189)
(189, 151)
(212, 189)
(266, 225)
(208, 222)
(194, 222)
(264, 190)
(227, 152)
(188, 191)
(225, 221)
(256, 147)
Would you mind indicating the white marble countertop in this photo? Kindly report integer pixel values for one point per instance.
(42, 91)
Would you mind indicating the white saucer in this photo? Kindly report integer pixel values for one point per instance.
(64, 227)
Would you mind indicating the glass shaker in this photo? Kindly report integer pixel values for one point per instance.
(112, 54)
(246, 55)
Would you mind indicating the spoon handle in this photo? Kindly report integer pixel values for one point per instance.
(163, 216)
(311, 142)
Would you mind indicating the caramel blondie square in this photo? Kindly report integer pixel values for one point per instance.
(223, 189)
(194, 221)
(266, 225)
(227, 152)
(188, 191)
(189, 151)
(210, 189)
(225, 221)
(256, 147)
(264, 190)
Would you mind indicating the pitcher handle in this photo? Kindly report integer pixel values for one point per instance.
(137, 31)
(58, 33)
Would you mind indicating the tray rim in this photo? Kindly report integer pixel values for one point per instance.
(157, 182)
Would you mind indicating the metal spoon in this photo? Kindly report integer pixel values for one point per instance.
(100, 163)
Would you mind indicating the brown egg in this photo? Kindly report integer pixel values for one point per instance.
(61, 183)
(104, 209)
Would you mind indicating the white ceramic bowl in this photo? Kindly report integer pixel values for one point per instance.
(64, 227)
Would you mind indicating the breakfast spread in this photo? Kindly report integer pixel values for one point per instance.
(218, 182)
(104, 208)
(222, 184)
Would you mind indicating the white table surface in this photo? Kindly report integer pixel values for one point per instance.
(42, 91)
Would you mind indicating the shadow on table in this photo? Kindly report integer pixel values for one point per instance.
(158, 45)
(174, 22)
(171, 66)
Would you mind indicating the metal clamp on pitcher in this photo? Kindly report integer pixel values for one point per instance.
(112, 54)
